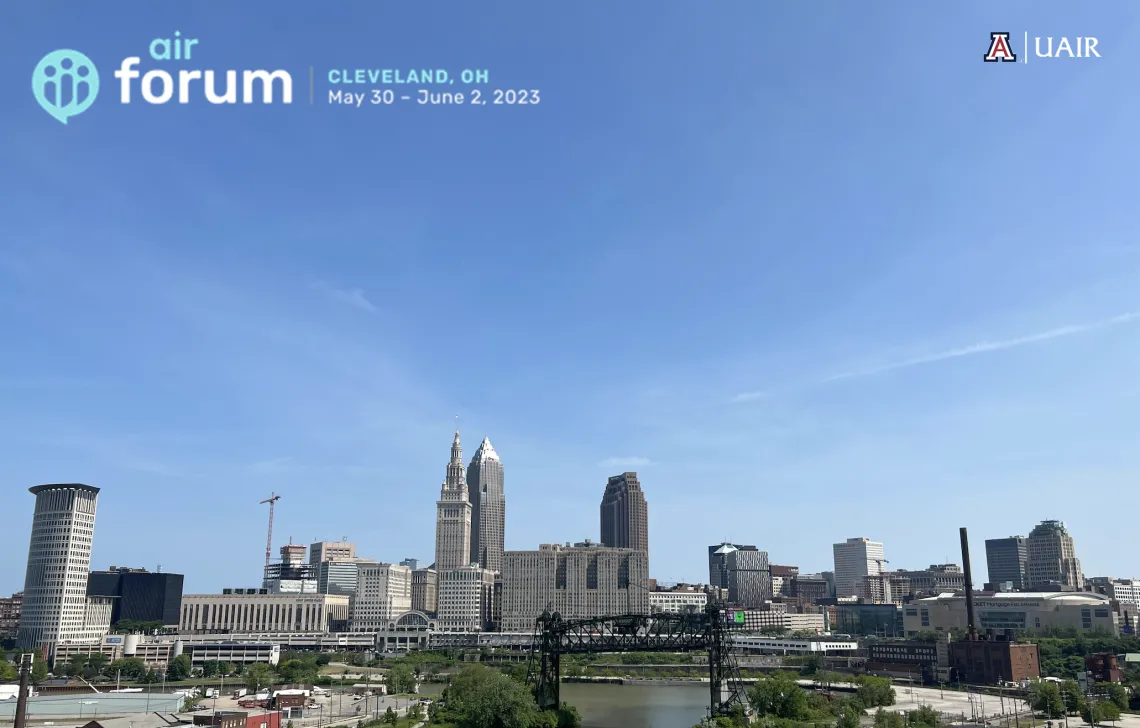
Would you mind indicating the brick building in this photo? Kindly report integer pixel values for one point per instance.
(10, 615)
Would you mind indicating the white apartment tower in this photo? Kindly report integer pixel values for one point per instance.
(383, 592)
(56, 607)
(453, 516)
(855, 559)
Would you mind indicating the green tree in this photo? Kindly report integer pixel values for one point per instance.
(8, 671)
(75, 666)
(39, 669)
(1105, 710)
(874, 691)
(98, 662)
(1045, 696)
(1115, 692)
(390, 716)
(178, 668)
(210, 668)
(779, 695)
(888, 719)
(568, 716)
(400, 680)
(811, 665)
(924, 716)
(129, 668)
(229, 668)
(257, 676)
(1073, 697)
(483, 698)
(298, 671)
(850, 714)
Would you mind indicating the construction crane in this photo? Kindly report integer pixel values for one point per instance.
(271, 500)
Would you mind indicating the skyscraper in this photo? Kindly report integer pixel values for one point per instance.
(625, 515)
(488, 507)
(453, 516)
(855, 559)
(1005, 561)
(749, 577)
(1051, 559)
(718, 562)
(56, 607)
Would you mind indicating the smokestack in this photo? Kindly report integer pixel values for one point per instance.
(21, 716)
(972, 632)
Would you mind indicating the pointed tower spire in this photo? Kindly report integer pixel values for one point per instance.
(456, 450)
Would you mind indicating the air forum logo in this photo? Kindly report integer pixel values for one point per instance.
(66, 82)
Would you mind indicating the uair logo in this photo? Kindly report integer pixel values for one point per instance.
(65, 83)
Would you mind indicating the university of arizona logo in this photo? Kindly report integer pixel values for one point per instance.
(1000, 50)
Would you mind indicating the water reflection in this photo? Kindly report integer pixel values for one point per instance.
(638, 706)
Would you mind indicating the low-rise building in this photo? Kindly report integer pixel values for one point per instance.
(810, 588)
(873, 620)
(679, 599)
(914, 659)
(239, 611)
(10, 615)
(937, 579)
(466, 599)
(425, 590)
(580, 581)
(785, 646)
(775, 616)
(992, 660)
(1125, 591)
(1083, 611)
(383, 592)
(157, 652)
(339, 576)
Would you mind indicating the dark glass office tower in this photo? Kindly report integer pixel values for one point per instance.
(1005, 561)
(142, 596)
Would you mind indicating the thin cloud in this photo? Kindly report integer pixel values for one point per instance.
(988, 346)
(982, 347)
(750, 396)
(274, 466)
(630, 462)
(353, 297)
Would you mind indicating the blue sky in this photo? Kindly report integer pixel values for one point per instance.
(813, 274)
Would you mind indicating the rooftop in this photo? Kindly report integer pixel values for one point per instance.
(37, 489)
(1076, 597)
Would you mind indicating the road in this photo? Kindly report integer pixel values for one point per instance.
(338, 709)
(909, 697)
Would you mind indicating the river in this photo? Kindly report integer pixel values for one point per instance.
(638, 706)
(631, 706)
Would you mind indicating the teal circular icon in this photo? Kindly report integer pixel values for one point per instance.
(65, 83)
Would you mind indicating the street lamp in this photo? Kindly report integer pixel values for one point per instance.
(87, 702)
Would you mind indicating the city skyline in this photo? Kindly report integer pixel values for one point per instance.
(820, 285)
(456, 457)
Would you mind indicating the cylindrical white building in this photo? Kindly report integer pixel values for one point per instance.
(59, 561)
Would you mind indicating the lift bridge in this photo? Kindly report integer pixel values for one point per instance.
(708, 631)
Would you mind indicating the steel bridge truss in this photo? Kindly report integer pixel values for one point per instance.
(708, 631)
